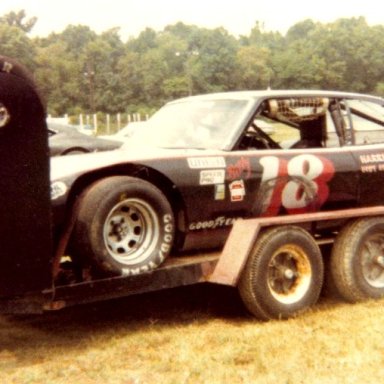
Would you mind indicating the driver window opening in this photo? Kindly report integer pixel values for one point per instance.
(303, 122)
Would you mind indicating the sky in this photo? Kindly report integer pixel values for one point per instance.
(238, 17)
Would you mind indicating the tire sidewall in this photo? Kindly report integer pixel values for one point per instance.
(165, 225)
(273, 240)
(371, 227)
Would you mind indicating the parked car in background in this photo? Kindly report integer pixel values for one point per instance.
(127, 132)
(67, 140)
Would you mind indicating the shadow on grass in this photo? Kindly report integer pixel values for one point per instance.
(80, 327)
(171, 308)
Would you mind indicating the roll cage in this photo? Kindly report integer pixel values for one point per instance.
(309, 116)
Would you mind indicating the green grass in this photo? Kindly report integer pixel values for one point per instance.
(193, 335)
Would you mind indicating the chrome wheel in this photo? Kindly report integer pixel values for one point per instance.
(131, 231)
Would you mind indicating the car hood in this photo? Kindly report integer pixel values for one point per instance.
(70, 166)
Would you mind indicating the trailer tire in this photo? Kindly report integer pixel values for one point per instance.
(283, 275)
(357, 260)
(125, 225)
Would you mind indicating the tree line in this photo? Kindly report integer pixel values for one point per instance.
(79, 70)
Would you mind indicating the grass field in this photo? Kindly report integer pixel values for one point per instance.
(196, 334)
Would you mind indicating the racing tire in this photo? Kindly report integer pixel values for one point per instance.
(283, 275)
(357, 260)
(124, 226)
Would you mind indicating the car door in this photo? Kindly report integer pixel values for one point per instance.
(286, 176)
(366, 125)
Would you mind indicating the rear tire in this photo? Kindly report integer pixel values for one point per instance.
(357, 260)
(125, 226)
(283, 275)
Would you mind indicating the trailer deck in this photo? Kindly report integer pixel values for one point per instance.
(220, 266)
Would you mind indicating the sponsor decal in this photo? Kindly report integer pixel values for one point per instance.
(219, 222)
(206, 162)
(210, 177)
(239, 170)
(372, 158)
(237, 190)
(220, 192)
(372, 163)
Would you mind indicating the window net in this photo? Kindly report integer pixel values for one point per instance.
(297, 110)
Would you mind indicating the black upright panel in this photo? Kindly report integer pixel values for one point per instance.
(25, 233)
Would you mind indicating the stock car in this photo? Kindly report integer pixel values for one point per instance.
(204, 161)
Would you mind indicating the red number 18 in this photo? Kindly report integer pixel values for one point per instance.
(290, 182)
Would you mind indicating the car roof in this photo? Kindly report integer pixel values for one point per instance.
(268, 93)
(60, 127)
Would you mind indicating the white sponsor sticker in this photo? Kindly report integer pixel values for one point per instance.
(206, 162)
(237, 190)
(220, 192)
(212, 176)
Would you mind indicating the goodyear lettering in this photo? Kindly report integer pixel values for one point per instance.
(219, 222)
(168, 238)
(162, 251)
(135, 271)
(166, 244)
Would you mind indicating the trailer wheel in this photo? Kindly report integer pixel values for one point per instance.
(283, 275)
(357, 260)
(125, 225)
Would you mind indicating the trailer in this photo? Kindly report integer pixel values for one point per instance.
(225, 267)
(275, 262)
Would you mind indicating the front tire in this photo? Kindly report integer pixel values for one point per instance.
(125, 226)
(283, 275)
(357, 260)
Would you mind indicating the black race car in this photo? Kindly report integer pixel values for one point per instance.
(67, 140)
(204, 161)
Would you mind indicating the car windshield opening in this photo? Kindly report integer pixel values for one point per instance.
(194, 123)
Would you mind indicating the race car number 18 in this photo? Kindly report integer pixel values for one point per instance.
(291, 180)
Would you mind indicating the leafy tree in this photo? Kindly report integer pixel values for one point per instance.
(213, 67)
(128, 69)
(146, 41)
(15, 43)
(79, 69)
(253, 67)
(58, 78)
(100, 59)
(18, 19)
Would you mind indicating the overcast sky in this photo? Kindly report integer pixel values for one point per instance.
(237, 16)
